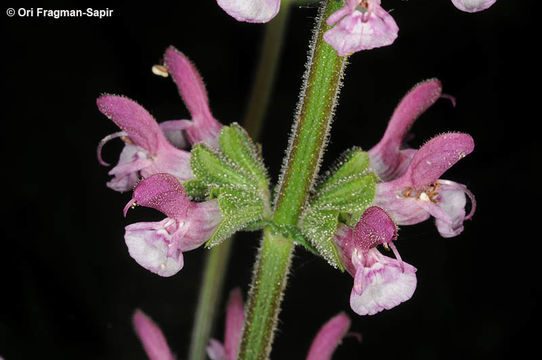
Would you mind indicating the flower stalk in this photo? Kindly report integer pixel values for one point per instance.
(217, 259)
(306, 147)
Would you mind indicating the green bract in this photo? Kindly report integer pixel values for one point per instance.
(341, 197)
(235, 175)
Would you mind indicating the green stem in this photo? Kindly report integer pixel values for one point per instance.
(266, 71)
(209, 298)
(310, 131)
(217, 258)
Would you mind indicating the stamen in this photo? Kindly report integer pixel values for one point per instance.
(131, 205)
(104, 141)
(160, 70)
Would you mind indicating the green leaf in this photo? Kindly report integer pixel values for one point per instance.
(196, 189)
(352, 162)
(352, 194)
(237, 146)
(294, 233)
(213, 169)
(319, 227)
(240, 209)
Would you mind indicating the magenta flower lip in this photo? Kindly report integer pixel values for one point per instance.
(159, 246)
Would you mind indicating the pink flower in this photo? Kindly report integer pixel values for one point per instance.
(322, 347)
(380, 282)
(203, 127)
(152, 148)
(473, 5)
(151, 336)
(235, 319)
(159, 246)
(360, 25)
(147, 151)
(252, 11)
(329, 337)
(412, 191)
(419, 193)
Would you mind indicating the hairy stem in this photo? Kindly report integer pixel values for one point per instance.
(217, 258)
(310, 131)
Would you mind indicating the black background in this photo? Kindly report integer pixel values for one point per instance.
(68, 286)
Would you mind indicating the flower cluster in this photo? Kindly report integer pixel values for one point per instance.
(358, 25)
(409, 191)
(155, 152)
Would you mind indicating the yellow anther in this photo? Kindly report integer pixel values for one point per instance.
(160, 70)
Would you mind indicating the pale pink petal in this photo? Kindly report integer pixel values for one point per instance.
(403, 210)
(151, 337)
(126, 173)
(172, 161)
(357, 31)
(205, 127)
(152, 246)
(132, 118)
(449, 211)
(201, 222)
(329, 337)
(384, 283)
(164, 193)
(216, 351)
(253, 11)
(338, 15)
(235, 319)
(473, 5)
(175, 132)
(387, 158)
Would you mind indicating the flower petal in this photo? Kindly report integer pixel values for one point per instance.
(358, 31)
(126, 173)
(435, 157)
(152, 246)
(215, 350)
(374, 227)
(164, 193)
(386, 284)
(253, 11)
(201, 222)
(151, 336)
(449, 212)
(473, 5)
(386, 156)
(174, 130)
(132, 118)
(403, 211)
(235, 320)
(329, 337)
(205, 127)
